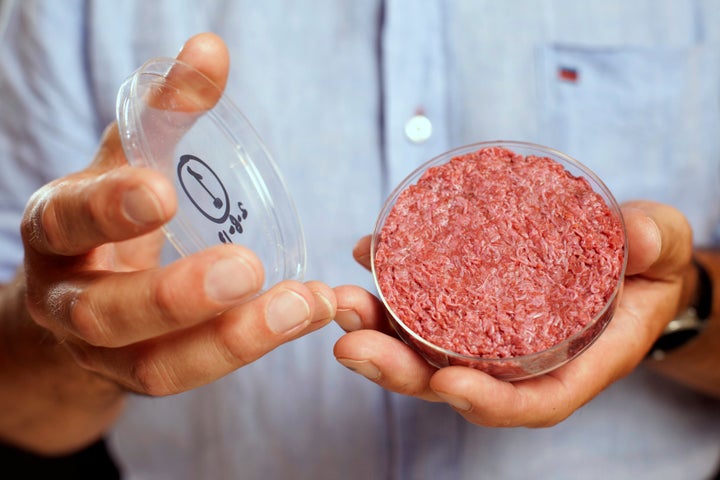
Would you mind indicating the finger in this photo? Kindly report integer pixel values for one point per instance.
(386, 361)
(189, 358)
(73, 215)
(659, 239)
(484, 400)
(541, 401)
(117, 309)
(359, 309)
(326, 302)
(110, 153)
(643, 239)
(549, 399)
(361, 251)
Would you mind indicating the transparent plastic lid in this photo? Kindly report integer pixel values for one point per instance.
(175, 120)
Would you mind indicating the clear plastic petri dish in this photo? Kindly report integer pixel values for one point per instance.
(173, 119)
(510, 265)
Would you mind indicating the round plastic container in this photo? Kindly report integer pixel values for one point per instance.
(509, 368)
(175, 120)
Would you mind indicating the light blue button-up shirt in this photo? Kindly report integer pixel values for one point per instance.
(629, 87)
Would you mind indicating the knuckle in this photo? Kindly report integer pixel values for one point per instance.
(404, 388)
(234, 346)
(86, 324)
(54, 229)
(166, 298)
(52, 223)
(47, 309)
(97, 212)
(152, 377)
(31, 225)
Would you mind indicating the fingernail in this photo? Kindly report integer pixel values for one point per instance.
(364, 367)
(657, 234)
(348, 320)
(141, 206)
(362, 259)
(286, 311)
(458, 403)
(230, 279)
(326, 312)
(650, 226)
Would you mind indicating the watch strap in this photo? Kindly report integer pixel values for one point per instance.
(704, 302)
(689, 323)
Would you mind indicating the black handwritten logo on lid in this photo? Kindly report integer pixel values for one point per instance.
(207, 193)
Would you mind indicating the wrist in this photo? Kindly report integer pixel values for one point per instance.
(50, 404)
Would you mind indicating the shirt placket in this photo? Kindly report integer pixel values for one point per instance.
(414, 85)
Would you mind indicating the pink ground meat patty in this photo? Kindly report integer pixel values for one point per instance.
(498, 255)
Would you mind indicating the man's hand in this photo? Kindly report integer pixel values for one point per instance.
(654, 290)
(93, 315)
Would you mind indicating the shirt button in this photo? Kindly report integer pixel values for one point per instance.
(418, 129)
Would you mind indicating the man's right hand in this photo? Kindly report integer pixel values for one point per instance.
(93, 314)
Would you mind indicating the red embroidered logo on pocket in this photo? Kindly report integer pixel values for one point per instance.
(568, 74)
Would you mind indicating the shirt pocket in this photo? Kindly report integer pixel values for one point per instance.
(645, 119)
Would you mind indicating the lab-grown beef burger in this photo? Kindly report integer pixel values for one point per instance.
(500, 253)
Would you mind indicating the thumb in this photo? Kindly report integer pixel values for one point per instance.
(208, 55)
(659, 239)
(187, 88)
(164, 99)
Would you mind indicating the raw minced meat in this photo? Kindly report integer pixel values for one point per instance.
(498, 255)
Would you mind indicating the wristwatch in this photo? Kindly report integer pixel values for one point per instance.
(689, 323)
